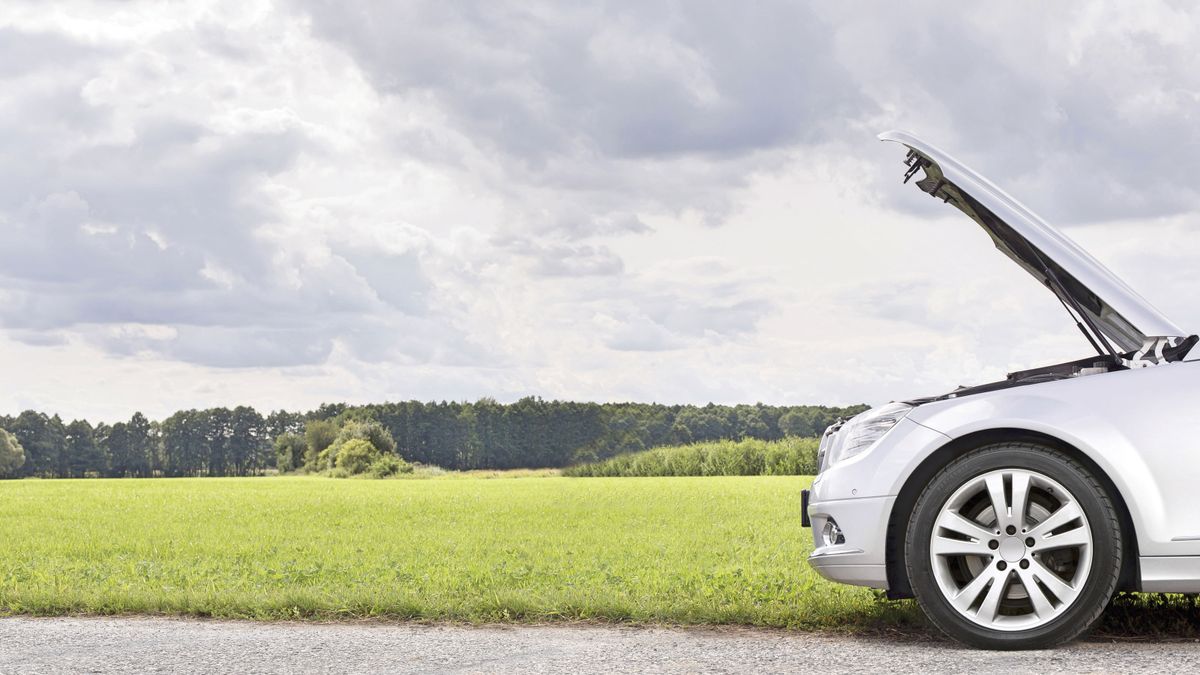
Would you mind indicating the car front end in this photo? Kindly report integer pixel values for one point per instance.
(851, 498)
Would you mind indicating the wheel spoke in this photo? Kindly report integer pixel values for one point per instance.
(967, 595)
(991, 601)
(947, 546)
(1041, 604)
(995, 488)
(956, 522)
(1069, 539)
(1065, 514)
(1020, 499)
(1061, 589)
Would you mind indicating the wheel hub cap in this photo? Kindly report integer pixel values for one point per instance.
(1012, 549)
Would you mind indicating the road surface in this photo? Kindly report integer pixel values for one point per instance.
(147, 645)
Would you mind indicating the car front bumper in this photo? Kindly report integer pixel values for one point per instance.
(858, 494)
(860, 559)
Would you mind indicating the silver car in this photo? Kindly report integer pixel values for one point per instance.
(1014, 510)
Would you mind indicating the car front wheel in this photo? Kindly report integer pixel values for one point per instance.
(1013, 546)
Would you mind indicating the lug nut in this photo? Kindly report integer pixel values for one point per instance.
(993, 544)
(1024, 564)
(1011, 530)
(1029, 541)
(1001, 565)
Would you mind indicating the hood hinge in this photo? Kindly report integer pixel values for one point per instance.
(1156, 351)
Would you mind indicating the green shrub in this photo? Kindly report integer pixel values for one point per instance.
(371, 431)
(749, 457)
(389, 465)
(318, 436)
(12, 455)
(355, 456)
(289, 452)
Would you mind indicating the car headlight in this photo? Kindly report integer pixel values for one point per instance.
(859, 433)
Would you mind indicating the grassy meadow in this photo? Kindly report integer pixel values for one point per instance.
(723, 550)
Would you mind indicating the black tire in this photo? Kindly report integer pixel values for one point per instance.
(1106, 552)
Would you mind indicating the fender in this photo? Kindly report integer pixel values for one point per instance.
(1078, 425)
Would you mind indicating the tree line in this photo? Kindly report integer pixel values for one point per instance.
(530, 433)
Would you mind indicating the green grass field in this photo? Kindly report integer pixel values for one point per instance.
(673, 550)
(482, 547)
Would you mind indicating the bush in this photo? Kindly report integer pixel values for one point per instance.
(289, 452)
(355, 456)
(12, 455)
(750, 457)
(371, 431)
(389, 465)
(318, 436)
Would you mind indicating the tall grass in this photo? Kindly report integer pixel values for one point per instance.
(750, 457)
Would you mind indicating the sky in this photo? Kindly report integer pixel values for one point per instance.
(287, 203)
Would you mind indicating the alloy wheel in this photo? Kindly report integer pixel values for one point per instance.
(1011, 549)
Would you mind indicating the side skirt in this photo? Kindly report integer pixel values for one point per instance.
(1170, 574)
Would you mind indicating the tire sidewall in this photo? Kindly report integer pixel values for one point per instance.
(1102, 576)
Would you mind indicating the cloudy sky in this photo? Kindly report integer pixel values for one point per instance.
(285, 203)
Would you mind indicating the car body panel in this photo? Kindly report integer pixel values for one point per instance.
(1123, 315)
(859, 494)
(1169, 574)
(882, 470)
(862, 557)
(1133, 424)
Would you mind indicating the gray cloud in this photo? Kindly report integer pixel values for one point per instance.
(1085, 114)
(564, 259)
(574, 97)
(23, 52)
(622, 79)
(619, 106)
(115, 216)
(683, 304)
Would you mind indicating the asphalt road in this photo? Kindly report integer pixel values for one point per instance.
(147, 645)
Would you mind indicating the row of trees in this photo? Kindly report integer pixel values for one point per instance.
(482, 435)
(215, 442)
(536, 433)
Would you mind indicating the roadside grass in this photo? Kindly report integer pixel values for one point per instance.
(1149, 616)
(662, 550)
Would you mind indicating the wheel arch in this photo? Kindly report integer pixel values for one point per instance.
(906, 499)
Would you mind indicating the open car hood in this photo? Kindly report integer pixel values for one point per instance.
(1111, 315)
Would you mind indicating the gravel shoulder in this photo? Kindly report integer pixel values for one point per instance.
(151, 645)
